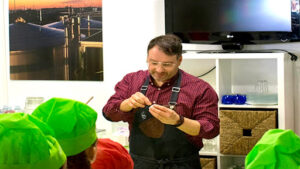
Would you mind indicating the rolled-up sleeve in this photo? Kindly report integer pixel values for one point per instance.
(206, 113)
(111, 111)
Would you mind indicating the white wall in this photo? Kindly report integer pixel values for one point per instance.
(127, 28)
(3, 62)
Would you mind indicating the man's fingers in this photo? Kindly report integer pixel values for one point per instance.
(161, 111)
(135, 104)
(155, 113)
(147, 101)
(141, 99)
(163, 114)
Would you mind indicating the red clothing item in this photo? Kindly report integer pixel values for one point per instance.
(111, 155)
(197, 100)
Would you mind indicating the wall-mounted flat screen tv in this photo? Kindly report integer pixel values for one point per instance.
(233, 21)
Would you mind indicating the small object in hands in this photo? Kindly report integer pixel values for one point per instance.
(149, 125)
(152, 128)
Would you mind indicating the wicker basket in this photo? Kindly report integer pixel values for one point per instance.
(208, 163)
(241, 129)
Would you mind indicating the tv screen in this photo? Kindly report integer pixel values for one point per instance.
(233, 21)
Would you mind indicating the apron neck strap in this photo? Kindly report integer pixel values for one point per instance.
(175, 90)
(145, 86)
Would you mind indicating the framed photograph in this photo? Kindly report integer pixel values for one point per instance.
(56, 40)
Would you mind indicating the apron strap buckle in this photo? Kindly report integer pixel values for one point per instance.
(144, 87)
(176, 89)
(172, 105)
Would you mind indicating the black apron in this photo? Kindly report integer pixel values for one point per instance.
(171, 151)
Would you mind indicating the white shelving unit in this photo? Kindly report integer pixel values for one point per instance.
(238, 73)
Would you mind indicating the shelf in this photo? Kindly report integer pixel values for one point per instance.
(255, 75)
(233, 55)
(208, 153)
(232, 155)
(248, 106)
(231, 161)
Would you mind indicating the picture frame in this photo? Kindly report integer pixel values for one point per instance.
(56, 40)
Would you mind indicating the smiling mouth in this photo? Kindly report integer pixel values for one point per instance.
(160, 75)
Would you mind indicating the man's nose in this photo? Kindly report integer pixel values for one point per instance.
(160, 68)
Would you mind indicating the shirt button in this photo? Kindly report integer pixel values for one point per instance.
(158, 88)
(151, 83)
(154, 102)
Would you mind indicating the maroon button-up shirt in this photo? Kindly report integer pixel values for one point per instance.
(197, 100)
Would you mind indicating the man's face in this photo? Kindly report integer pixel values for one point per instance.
(161, 66)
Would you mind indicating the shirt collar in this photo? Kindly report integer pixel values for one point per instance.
(168, 83)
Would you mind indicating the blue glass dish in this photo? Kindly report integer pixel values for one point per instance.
(240, 99)
(228, 99)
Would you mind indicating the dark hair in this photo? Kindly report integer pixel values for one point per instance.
(169, 44)
(78, 161)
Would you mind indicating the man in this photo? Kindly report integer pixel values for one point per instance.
(168, 110)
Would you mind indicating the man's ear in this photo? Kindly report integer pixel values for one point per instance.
(180, 60)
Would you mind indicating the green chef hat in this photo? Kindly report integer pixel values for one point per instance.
(28, 143)
(277, 149)
(73, 122)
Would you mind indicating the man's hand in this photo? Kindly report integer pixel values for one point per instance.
(164, 114)
(169, 116)
(136, 100)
